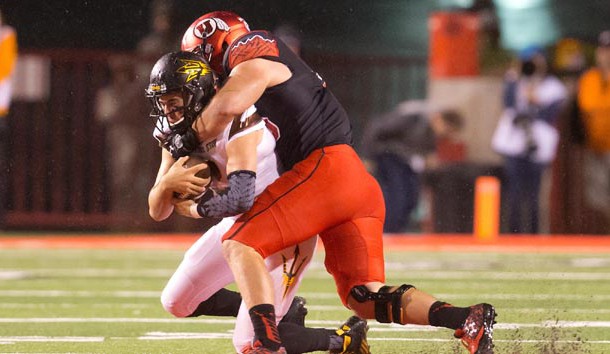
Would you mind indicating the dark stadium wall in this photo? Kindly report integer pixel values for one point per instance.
(395, 27)
(381, 27)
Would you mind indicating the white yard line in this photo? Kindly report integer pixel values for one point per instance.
(183, 335)
(79, 293)
(373, 326)
(490, 296)
(189, 335)
(85, 273)
(68, 305)
(495, 340)
(499, 275)
(156, 294)
(13, 339)
(321, 308)
(320, 273)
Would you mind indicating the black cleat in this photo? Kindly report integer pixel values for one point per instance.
(353, 333)
(297, 312)
(477, 332)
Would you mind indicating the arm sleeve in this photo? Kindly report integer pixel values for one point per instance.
(237, 198)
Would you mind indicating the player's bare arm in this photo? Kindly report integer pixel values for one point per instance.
(172, 178)
(241, 152)
(241, 157)
(245, 85)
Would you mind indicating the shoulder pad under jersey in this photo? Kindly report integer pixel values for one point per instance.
(256, 44)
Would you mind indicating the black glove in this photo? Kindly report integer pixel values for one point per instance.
(182, 144)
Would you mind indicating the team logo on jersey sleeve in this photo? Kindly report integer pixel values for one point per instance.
(252, 47)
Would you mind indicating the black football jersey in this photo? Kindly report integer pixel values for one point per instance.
(307, 114)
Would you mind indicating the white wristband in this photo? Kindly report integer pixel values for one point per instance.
(194, 213)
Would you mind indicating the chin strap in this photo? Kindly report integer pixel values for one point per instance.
(180, 145)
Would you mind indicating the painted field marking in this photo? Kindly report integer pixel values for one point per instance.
(321, 308)
(14, 339)
(373, 326)
(189, 335)
(184, 335)
(517, 275)
(156, 294)
(8, 274)
(317, 273)
(533, 341)
(80, 293)
(13, 274)
(576, 324)
(66, 305)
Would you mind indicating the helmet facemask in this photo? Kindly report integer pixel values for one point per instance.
(161, 118)
(188, 74)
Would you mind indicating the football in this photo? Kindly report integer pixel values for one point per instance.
(205, 173)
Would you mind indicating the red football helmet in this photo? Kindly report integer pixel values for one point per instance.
(211, 34)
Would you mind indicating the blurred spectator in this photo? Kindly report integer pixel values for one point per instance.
(119, 111)
(526, 135)
(400, 145)
(569, 59)
(163, 37)
(8, 59)
(594, 106)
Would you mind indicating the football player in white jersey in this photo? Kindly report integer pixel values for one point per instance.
(242, 158)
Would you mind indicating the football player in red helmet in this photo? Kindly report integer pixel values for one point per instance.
(181, 84)
(316, 192)
(211, 34)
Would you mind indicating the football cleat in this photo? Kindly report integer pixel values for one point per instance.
(297, 312)
(353, 332)
(477, 332)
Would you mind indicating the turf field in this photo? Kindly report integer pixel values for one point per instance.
(77, 299)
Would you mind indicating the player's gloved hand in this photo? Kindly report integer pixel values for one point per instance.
(182, 144)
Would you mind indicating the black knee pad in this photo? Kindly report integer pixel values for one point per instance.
(382, 298)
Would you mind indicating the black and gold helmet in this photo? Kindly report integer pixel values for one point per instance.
(183, 72)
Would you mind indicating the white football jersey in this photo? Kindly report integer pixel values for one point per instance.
(204, 270)
(216, 149)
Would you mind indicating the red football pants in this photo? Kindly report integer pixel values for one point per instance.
(330, 193)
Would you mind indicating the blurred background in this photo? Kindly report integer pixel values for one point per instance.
(80, 155)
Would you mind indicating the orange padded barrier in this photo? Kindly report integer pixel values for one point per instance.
(487, 208)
